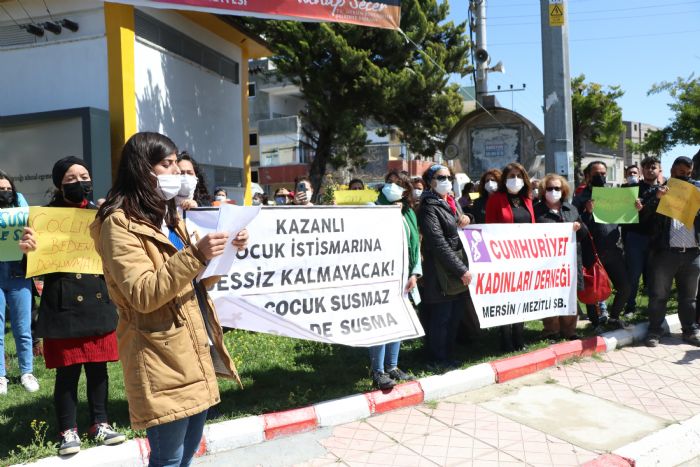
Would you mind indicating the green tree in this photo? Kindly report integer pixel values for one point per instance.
(596, 116)
(349, 75)
(685, 127)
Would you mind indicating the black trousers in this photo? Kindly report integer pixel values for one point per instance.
(614, 264)
(65, 393)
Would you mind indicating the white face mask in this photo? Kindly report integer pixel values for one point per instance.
(220, 198)
(553, 196)
(169, 185)
(187, 187)
(443, 187)
(491, 186)
(392, 192)
(417, 193)
(514, 185)
(632, 179)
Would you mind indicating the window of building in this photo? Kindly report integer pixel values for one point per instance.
(635, 127)
(174, 41)
(251, 89)
(253, 139)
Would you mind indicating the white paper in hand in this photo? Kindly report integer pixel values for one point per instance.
(232, 219)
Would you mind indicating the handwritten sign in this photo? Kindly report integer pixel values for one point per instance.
(63, 242)
(681, 202)
(12, 222)
(355, 197)
(615, 205)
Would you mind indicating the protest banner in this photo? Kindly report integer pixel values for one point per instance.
(681, 202)
(378, 13)
(615, 205)
(12, 222)
(354, 197)
(326, 273)
(521, 273)
(63, 242)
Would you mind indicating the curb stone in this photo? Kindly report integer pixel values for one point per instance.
(246, 431)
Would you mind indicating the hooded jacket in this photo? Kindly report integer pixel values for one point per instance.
(170, 348)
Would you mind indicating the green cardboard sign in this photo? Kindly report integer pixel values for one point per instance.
(615, 205)
(12, 223)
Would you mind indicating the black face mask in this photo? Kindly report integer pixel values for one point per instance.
(5, 198)
(598, 180)
(76, 192)
(685, 179)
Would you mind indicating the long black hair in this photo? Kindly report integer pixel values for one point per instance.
(15, 199)
(201, 193)
(135, 189)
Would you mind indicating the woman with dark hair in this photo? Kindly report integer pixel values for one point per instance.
(77, 321)
(446, 275)
(170, 340)
(193, 191)
(356, 184)
(488, 183)
(384, 359)
(511, 204)
(16, 300)
(465, 200)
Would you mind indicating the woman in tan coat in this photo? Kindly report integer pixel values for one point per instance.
(170, 341)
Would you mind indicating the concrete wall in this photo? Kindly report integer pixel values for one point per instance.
(198, 109)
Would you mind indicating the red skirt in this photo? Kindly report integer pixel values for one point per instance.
(94, 349)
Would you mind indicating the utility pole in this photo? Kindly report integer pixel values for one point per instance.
(481, 55)
(558, 128)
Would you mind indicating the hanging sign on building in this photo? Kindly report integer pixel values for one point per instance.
(379, 13)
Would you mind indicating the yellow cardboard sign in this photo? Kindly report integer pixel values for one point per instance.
(474, 196)
(63, 242)
(355, 197)
(682, 202)
(556, 13)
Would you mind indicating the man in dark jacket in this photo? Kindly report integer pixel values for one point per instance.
(675, 254)
(636, 236)
(605, 237)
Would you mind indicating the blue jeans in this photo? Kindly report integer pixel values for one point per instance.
(174, 443)
(665, 266)
(385, 356)
(636, 253)
(443, 327)
(17, 293)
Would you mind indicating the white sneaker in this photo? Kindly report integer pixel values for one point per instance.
(3, 385)
(29, 382)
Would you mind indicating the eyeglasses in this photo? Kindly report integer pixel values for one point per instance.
(553, 188)
(442, 178)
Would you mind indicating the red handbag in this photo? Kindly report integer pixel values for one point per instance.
(596, 283)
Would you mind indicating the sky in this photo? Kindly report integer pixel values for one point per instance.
(633, 44)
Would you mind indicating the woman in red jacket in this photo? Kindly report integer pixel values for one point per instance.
(511, 204)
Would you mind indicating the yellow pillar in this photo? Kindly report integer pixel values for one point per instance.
(247, 197)
(119, 23)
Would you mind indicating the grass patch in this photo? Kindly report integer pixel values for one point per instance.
(278, 373)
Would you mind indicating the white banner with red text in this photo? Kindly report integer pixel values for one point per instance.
(331, 274)
(521, 272)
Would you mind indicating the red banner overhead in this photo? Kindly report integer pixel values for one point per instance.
(379, 13)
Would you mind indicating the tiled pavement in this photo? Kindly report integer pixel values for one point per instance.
(663, 382)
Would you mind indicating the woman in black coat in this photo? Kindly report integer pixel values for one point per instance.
(445, 272)
(553, 207)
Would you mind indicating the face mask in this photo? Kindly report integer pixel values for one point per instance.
(220, 198)
(598, 180)
(685, 179)
(280, 200)
(491, 186)
(553, 196)
(514, 185)
(392, 192)
(632, 179)
(417, 193)
(256, 202)
(188, 184)
(535, 192)
(443, 187)
(76, 192)
(169, 186)
(5, 198)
